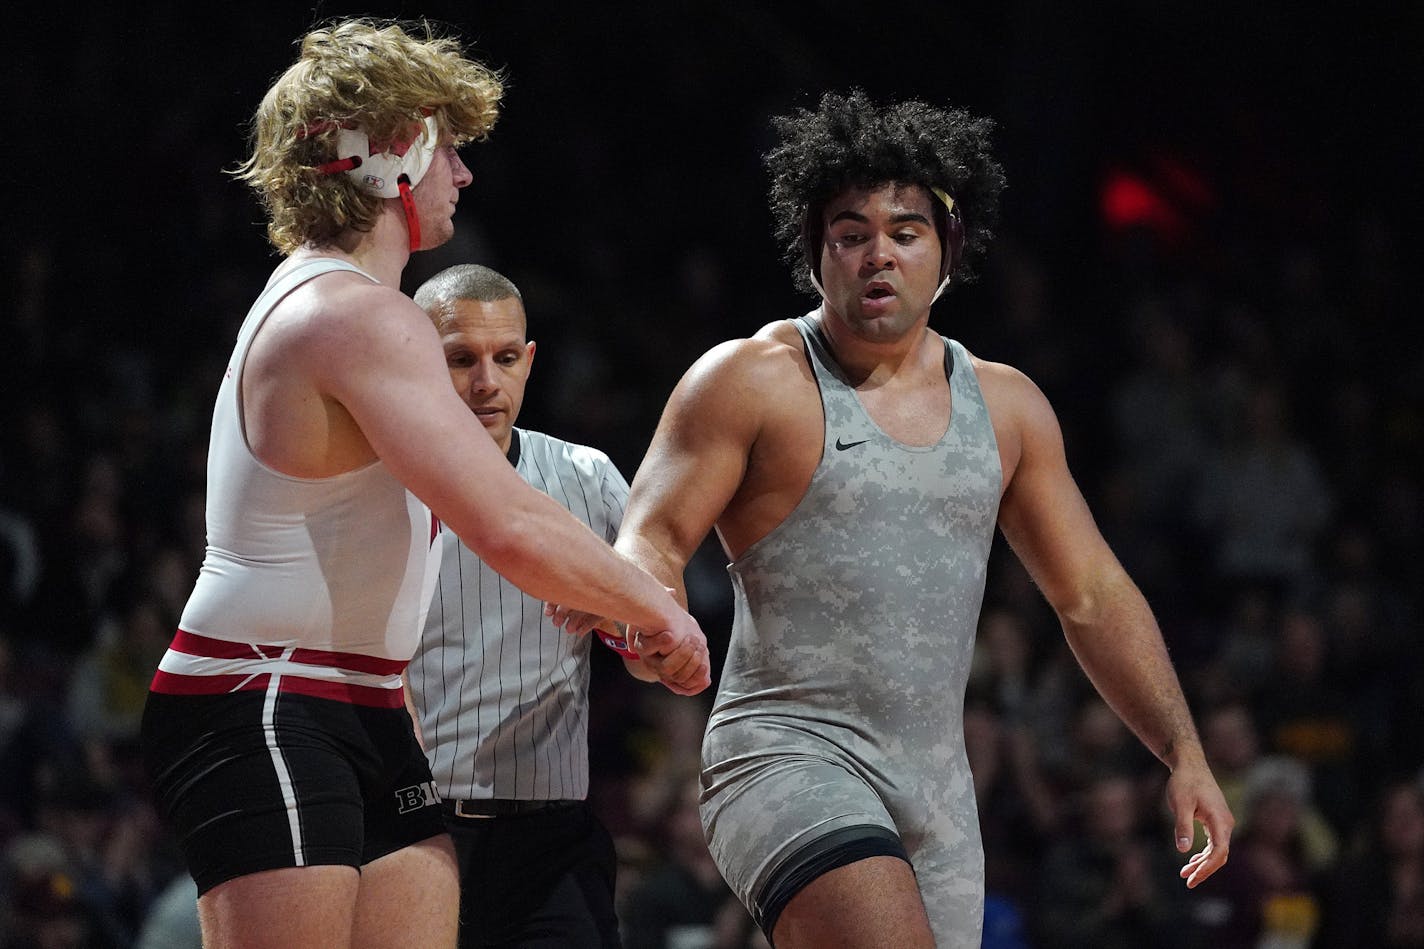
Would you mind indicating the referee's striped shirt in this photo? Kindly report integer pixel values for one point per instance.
(501, 692)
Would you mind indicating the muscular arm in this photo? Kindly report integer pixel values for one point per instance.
(383, 365)
(613, 490)
(694, 465)
(692, 469)
(1105, 618)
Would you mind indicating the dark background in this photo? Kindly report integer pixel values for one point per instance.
(623, 182)
(1244, 176)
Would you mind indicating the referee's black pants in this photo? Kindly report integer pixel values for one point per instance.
(533, 878)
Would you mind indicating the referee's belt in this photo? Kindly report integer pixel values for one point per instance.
(484, 808)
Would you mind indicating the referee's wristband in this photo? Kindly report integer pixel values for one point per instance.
(617, 644)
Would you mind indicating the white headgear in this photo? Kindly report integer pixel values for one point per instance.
(378, 172)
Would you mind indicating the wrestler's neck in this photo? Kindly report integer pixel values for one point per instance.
(382, 252)
(875, 354)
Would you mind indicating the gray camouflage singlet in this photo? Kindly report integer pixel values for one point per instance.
(841, 701)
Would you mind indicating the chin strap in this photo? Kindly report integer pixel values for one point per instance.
(816, 282)
(412, 218)
(943, 286)
(952, 240)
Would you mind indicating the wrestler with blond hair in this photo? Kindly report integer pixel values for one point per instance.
(275, 732)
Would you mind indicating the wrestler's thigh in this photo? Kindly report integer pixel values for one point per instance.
(870, 903)
(409, 898)
(277, 909)
(761, 817)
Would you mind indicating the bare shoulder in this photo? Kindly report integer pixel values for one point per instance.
(1009, 393)
(342, 323)
(1025, 424)
(346, 309)
(782, 332)
(757, 364)
(737, 387)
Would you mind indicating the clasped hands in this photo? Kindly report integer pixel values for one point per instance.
(678, 656)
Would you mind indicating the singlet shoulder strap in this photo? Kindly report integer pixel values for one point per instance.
(954, 354)
(818, 350)
(279, 286)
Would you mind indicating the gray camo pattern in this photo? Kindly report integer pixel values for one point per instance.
(841, 701)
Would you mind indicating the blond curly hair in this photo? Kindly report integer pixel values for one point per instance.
(380, 75)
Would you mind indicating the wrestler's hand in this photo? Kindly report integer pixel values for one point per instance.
(678, 655)
(570, 620)
(1193, 794)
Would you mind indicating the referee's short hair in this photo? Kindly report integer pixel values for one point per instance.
(465, 282)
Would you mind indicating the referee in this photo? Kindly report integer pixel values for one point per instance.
(500, 692)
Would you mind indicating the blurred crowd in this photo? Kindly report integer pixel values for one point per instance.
(1240, 405)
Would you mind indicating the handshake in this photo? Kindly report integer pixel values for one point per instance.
(677, 657)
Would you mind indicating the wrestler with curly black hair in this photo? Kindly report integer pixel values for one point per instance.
(856, 465)
(849, 141)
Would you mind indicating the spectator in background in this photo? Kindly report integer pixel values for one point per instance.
(39, 903)
(1242, 660)
(1376, 897)
(1099, 743)
(83, 560)
(1018, 810)
(1233, 746)
(682, 902)
(109, 841)
(172, 918)
(1264, 500)
(36, 742)
(1018, 807)
(1269, 896)
(1105, 884)
(665, 749)
(1305, 712)
(110, 679)
(1004, 667)
(19, 563)
(1372, 627)
(1159, 415)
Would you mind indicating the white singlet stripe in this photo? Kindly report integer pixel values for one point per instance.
(279, 764)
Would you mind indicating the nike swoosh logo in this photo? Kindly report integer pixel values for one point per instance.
(842, 444)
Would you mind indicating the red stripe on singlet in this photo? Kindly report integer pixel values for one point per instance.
(192, 644)
(168, 683)
(195, 645)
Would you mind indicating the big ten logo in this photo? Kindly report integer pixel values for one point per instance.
(416, 796)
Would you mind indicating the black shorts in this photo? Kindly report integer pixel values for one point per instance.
(308, 781)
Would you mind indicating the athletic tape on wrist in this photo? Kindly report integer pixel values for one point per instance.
(618, 645)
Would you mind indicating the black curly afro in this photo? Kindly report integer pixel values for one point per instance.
(850, 142)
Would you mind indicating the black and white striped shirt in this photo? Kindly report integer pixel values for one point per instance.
(501, 692)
